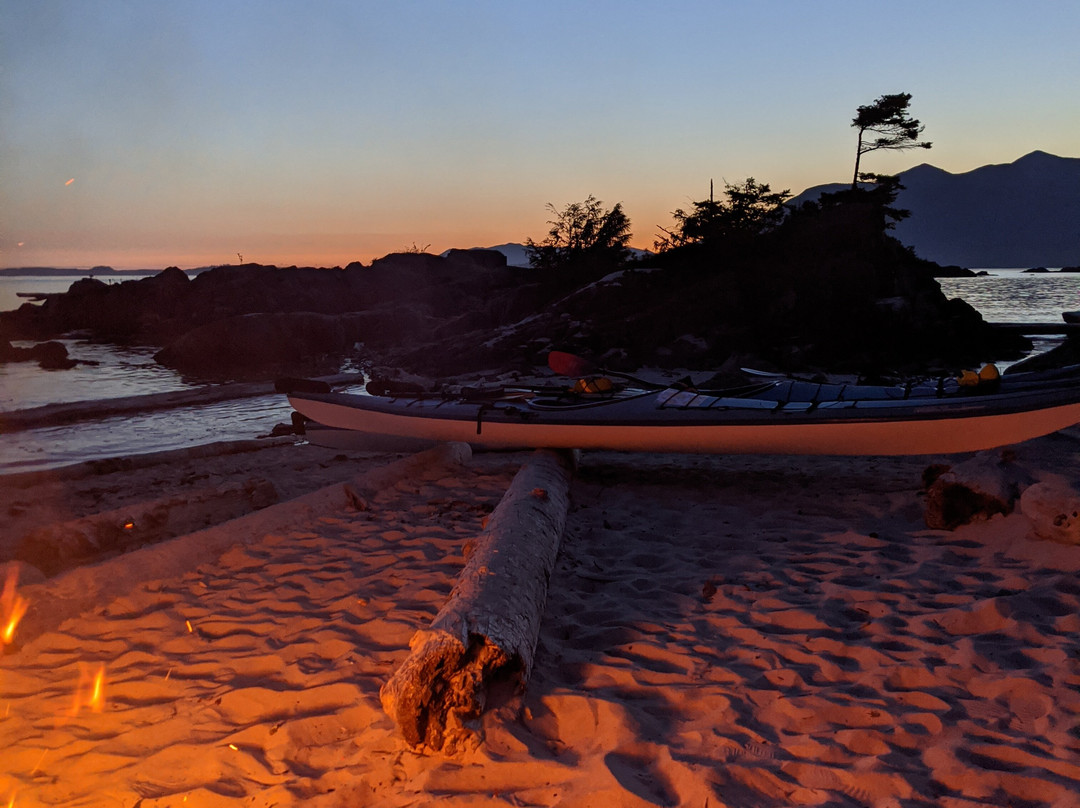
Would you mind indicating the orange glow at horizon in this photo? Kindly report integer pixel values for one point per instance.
(12, 607)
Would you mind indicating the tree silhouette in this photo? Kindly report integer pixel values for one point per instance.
(887, 122)
(582, 233)
(752, 208)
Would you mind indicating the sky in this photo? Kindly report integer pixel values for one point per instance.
(143, 134)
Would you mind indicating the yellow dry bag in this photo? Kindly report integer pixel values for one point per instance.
(593, 385)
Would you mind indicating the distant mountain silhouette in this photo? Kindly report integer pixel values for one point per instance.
(1020, 214)
(516, 255)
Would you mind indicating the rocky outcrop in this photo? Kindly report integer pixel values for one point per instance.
(1067, 353)
(828, 290)
(120, 312)
(49, 355)
(259, 342)
(162, 307)
(258, 346)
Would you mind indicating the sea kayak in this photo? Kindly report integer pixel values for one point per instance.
(783, 416)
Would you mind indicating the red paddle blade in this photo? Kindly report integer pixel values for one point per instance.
(567, 364)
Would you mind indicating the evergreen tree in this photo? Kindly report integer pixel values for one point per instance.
(885, 124)
(752, 208)
(582, 233)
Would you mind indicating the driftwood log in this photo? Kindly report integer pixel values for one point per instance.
(78, 590)
(986, 484)
(54, 547)
(1053, 507)
(486, 633)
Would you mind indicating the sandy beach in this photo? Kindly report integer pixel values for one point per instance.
(719, 631)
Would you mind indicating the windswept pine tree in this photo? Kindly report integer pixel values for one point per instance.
(885, 124)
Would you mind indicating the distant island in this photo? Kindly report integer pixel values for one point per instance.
(39, 272)
(47, 271)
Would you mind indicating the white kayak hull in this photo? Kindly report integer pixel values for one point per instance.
(649, 422)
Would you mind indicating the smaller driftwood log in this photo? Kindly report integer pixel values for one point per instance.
(983, 485)
(486, 633)
(55, 547)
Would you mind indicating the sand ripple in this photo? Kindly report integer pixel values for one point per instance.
(719, 631)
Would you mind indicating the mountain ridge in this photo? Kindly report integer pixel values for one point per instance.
(1020, 214)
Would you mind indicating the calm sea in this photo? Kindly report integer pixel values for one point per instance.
(110, 372)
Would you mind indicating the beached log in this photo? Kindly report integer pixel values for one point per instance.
(56, 546)
(987, 484)
(78, 590)
(486, 634)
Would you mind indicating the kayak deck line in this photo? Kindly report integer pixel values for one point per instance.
(784, 417)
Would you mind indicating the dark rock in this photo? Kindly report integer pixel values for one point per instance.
(53, 356)
(113, 311)
(828, 290)
(932, 472)
(953, 271)
(254, 344)
(1037, 270)
(281, 430)
(1067, 353)
(49, 355)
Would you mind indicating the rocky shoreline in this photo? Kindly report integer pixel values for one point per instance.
(829, 293)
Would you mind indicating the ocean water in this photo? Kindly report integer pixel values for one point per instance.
(111, 371)
(105, 371)
(122, 435)
(11, 285)
(1015, 296)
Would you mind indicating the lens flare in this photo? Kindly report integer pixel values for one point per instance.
(12, 607)
(90, 692)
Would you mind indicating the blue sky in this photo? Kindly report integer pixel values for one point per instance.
(326, 131)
